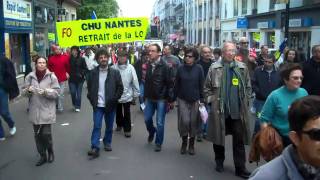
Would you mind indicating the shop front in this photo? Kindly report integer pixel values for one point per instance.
(262, 30)
(16, 33)
(44, 26)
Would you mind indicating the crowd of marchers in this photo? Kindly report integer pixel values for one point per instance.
(271, 104)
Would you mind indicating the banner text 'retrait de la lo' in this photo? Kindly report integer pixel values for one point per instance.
(101, 31)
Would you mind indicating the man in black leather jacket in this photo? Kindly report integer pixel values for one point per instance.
(104, 89)
(158, 92)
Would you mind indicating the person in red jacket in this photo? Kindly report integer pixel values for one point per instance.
(59, 64)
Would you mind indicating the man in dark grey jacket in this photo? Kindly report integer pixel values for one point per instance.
(302, 159)
(104, 90)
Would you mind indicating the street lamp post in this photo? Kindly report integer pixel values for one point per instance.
(286, 27)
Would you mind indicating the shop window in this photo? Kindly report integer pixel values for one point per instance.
(235, 7)
(271, 39)
(235, 36)
(244, 7)
(272, 4)
(17, 48)
(254, 40)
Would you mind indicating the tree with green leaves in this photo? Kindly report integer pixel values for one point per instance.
(102, 8)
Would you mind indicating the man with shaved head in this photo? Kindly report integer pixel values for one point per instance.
(227, 88)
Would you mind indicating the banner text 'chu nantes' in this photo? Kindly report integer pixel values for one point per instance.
(101, 31)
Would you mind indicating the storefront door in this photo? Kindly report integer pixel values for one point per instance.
(18, 50)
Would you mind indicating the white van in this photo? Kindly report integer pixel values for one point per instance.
(149, 41)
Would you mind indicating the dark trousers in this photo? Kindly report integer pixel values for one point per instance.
(43, 138)
(123, 117)
(235, 128)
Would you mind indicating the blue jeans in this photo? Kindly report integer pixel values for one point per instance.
(151, 107)
(4, 111)
(141, 96)
(258, 105)
(76, 91)
(98, 115)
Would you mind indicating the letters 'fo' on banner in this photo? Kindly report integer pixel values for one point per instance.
(101, 31)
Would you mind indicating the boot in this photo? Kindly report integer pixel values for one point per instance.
(42, 160)
(184, 145)
(191, 146)
(50, 155)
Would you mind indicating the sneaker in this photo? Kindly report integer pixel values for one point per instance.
(107, 147)
(13, 131)
(127, 134)
(77, 110)
(199, 139)
(2, 139)
(157, 148)
(93, 153)
(150, 138)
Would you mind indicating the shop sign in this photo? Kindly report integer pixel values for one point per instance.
(263, 25)
(242, 22)
(17, 14)
(18, 10)
(101, 31)
(295, 23)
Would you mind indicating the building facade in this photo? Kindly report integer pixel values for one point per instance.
(202, 22)
(30, 25)
(16, 32)
(263, 23)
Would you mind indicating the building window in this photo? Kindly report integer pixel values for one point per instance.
(270, 39)
(272, 3)
(244, 6)
(225, 10)
(235, 7)
(254, 41)
(217, 8)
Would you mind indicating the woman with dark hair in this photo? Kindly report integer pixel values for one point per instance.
(42, 87)
(78, 70)
(189, 93)
(275, 109)
(291, 56)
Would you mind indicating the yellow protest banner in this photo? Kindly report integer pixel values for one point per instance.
(101, 31)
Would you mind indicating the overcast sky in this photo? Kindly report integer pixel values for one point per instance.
(136, 8)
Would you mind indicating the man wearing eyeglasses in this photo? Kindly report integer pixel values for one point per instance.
(228, 89)
(302, 159)
(243, 55)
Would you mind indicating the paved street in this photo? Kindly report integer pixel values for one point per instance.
(131, 159)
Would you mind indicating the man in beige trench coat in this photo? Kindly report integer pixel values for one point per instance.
(228, 89)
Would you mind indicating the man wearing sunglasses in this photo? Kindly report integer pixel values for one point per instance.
(302, 159)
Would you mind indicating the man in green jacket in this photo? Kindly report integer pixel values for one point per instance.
(227, 88)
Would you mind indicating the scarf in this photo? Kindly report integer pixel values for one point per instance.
(307, 171)
(224, 83)
(40, 74)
